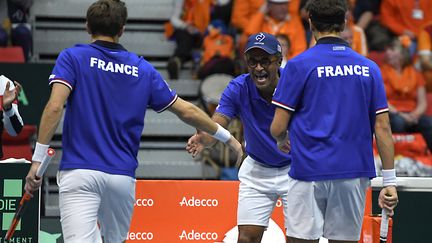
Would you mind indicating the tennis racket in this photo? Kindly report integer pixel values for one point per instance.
(27, 195)
(384, 225)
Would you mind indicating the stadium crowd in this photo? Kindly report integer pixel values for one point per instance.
(397, 35)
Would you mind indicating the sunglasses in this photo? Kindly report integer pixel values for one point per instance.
(264, 62)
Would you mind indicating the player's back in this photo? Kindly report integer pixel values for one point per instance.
(111, 89)
(335, 116)
(339, 89)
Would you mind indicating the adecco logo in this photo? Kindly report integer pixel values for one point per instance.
(194, 235)
(144, 202)
(195, 202)
(140, 236)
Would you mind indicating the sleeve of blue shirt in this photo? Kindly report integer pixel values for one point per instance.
(229, 101)
(379, 95)
(162, 96)
(290, 87)
(64, 70)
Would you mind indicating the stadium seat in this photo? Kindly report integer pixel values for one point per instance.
(377, 57)
(429, 104)
(20, 145)
(12, 54)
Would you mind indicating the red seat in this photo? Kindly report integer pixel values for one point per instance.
(13, 54)
(377, 57)
(429, 104)
(20, 145)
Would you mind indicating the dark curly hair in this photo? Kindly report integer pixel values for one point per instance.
(106, 17)
(327, 15)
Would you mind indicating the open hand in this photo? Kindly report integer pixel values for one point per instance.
(198, 142)
(10, 95)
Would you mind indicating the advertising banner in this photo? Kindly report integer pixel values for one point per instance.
(187, 211)
(12, 180)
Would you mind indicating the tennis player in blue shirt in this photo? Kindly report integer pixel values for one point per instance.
(107, 90)
(264, 173)
(333, 101)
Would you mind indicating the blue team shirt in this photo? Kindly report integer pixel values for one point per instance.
(111, 89)
(335, 95)
(241, 99)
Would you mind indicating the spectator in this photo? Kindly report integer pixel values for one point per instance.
(218, 51)
(406, 18)
(285, 45)
(406, 93)
(425, 54)
(273, 18)
(356, 38)
(222, 10)
(17, 25)
(363, 12)
(364, 15)
(187, 25)
(243, 10)
(12, 120)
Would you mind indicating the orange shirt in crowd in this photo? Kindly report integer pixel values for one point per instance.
(197, 12)
(217, 45)
(402, 88)
(243, 10)
(425, 48)
(359, 43)
(400, 15)
(291, 27)
(189, 12)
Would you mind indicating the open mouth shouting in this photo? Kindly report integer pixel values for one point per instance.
(261, 78)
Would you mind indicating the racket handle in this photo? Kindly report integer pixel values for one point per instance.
(44, 164)
(384, 225)
(17, 217)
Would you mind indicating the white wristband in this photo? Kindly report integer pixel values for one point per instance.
(222, 134)
(40, 152)
(389, 177)
(10, 112)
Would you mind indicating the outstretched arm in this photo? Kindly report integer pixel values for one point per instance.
(201, 140)
(192, 115)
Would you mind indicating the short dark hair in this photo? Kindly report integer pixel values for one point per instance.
(106, 17)
(327, 15)
(404, 50)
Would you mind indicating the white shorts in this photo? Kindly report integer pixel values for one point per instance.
(90, 197)
(333, 209)
(260, 188)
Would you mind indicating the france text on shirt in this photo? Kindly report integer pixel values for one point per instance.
(113, 67)
(345, 70)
